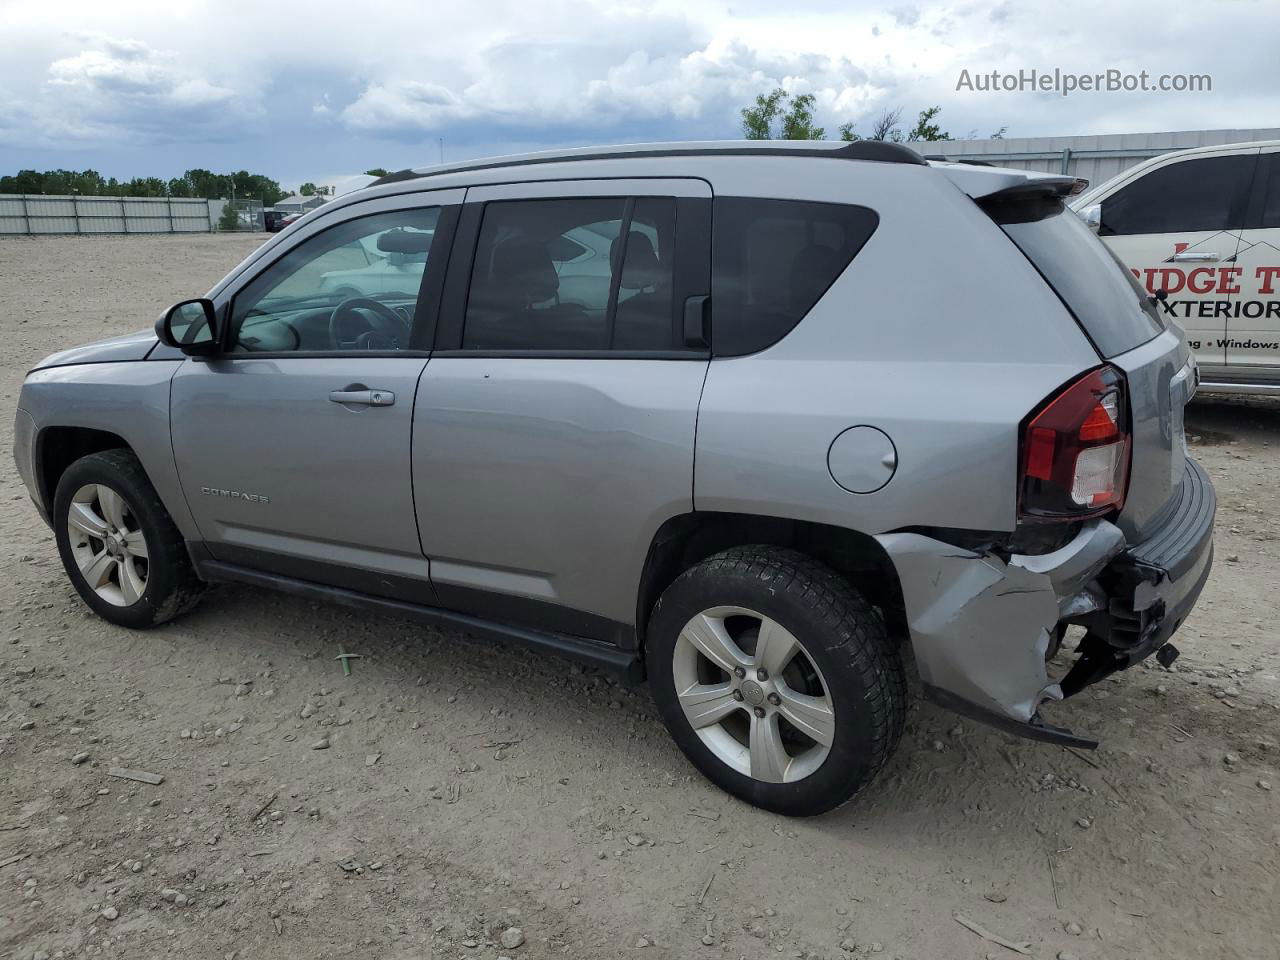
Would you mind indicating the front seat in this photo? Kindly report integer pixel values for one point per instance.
(510, 314)
(643, 320)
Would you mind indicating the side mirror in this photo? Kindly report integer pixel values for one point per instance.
(191, 326)
(1092, 216)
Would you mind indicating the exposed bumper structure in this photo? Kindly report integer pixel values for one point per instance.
(982, 626)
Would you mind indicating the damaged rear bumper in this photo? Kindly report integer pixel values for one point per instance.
(982, 625)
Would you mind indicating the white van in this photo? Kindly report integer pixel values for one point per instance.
(1204, 226)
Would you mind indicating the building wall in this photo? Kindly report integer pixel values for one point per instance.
(1097, 159)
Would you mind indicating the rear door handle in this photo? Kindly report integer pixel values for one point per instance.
(1196, 257)
(696, 327)
(364, 397)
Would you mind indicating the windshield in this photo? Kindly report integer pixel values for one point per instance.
(1096, 287)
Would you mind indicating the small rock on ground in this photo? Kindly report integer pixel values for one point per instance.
(512, 937)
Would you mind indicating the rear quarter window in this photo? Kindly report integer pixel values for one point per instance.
(1108, 303)
(772, 260)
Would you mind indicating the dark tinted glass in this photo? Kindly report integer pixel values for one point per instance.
(1105, 298)
(563, 274)
(644, 317)
(1192, 195)
(772, 260)
(1268, 215)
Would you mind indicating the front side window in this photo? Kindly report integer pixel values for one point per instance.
(352, 287)
(570, 274)
(1188, 196)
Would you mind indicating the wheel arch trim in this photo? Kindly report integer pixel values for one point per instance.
(688, 538)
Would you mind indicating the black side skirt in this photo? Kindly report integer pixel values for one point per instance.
(626, 663)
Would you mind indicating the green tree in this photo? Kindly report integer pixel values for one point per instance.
(257, 186)
(375, 172)
(24, 181)
(779, 116)
(230, 219)
(758, 121)
(925, 129)
(193, 183)
(797, 123)
(307, 189)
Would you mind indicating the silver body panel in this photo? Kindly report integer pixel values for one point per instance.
(946, 368)
(131, 346)
(269, 463)
(129, 399)
(981, 627)
(1161, 381)
(547, 479)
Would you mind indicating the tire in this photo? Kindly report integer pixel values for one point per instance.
(851, 676)
(131, 588)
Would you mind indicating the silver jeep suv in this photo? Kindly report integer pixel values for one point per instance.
(743, 419)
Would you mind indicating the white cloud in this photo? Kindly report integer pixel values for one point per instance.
(115, 89)
(613, 87)
(127, 72)
(285, 82)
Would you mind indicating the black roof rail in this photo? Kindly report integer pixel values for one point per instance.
(877, 151)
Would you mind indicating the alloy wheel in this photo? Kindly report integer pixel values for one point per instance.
(753, 694)
(107, 544)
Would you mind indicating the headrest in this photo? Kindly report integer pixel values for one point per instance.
(523, 266)
(404, 241)
(642, 268)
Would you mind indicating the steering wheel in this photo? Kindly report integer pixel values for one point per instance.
(384, 329)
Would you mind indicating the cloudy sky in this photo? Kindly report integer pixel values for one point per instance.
(307, 90)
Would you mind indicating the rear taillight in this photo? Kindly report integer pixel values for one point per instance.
(1075, 451)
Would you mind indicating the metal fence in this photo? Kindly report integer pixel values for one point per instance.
(245, 216)
(1096, 159)
(41, 214)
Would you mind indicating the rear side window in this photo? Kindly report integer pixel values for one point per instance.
(1183, 197)
(1096, 287)
(591, 273)
(772, 260)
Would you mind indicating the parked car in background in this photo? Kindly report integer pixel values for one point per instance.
(1203, 225)
(967, 458)
(274, 220)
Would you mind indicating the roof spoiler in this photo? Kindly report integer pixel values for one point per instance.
(1040, 188)
(1033, 199)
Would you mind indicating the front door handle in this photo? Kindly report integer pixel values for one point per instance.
(363, 397)
(1194, 257)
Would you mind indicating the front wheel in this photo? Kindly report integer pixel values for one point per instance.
(776, 679)
(118, 544)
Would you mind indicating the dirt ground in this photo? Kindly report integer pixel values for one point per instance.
(472, 788)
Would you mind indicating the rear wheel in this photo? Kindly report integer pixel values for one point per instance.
(776, 679)
(118, 544)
